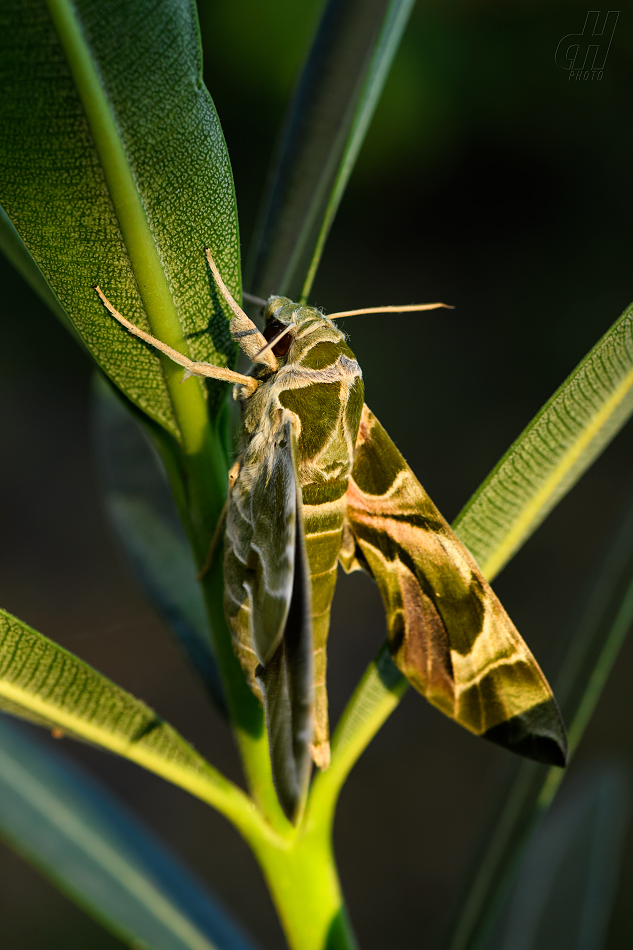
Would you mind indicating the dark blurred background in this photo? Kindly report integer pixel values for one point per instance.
(488, 180)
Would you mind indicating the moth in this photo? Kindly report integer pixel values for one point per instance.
(317, 483)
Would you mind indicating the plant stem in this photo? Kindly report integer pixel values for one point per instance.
(374, 699)
(304, 884)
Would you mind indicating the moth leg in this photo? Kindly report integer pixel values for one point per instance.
(233, 473)
(191, 367)
(213, 544)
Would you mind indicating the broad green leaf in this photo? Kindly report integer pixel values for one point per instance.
(544, 463)
(46, 684)
(143, 515)
(94, 850)
(593, 649)
(565, 888)
(114, 171)
(333, 104)
(12, 246)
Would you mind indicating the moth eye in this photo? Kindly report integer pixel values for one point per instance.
(281, 348)
(272, 330)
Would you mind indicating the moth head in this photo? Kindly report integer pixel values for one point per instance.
(285, 321)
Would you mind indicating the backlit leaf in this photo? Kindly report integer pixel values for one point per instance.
(592, 650)
(114, 171)
(46, 684)
(553, 452)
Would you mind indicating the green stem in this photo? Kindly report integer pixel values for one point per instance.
(374, 699)
(199, 480)
(303, 880)
(304, 884)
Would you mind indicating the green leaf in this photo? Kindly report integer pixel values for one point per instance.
(592, 651)
(553, 452)
(544, 463)
(94, 850)
(114, 172)
(566, 885)
(12, 246)
(143, 515)
(333, 104)
(46, 684)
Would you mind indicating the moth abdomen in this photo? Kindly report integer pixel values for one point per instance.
(323, 531)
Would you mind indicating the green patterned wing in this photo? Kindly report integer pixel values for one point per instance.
(448, 633)
(267, 602)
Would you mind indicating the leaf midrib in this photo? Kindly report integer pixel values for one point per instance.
(197, 777)
(203, 783)
(159, 305)
(525, 521)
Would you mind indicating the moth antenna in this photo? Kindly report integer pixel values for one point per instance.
(251, 298)
(243, 330)
(275, 340)
(407, 308)
(191, 367)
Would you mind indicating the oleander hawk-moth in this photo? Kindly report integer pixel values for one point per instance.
(317, 483)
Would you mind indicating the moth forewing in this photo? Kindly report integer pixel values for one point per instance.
(267, 599)
(448, 632)
(270, 546)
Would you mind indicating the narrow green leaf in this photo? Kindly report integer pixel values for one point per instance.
(544, 463)
(142, 513)
(333, 104)
(565, 888)
(46, 684)
(593, 649)
(553, 452)
(114, 171)
(94, 850)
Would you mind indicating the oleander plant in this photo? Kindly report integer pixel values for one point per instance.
(239, 467)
